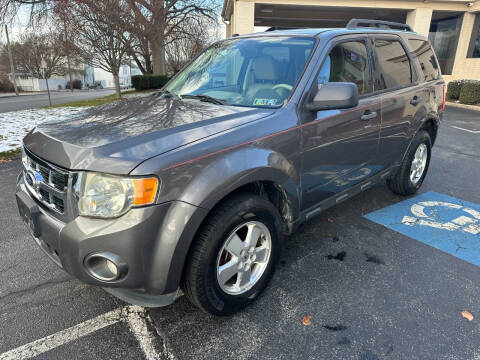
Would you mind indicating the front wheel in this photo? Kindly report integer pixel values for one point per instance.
(412, 172)
(234, 255)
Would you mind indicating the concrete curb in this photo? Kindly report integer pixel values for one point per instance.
(463, 106)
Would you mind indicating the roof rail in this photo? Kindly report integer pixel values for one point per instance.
(275, 28)
(359, 23)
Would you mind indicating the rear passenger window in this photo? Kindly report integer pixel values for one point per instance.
(392, 65)
(422, 51)
(347, 62)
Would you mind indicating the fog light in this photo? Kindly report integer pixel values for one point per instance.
(105, 266)
(112, 268)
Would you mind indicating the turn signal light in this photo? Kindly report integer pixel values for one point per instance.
(145, 191)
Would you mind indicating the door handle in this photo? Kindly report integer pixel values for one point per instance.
(369, 115)
(415, 101)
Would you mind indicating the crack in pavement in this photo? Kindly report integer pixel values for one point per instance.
(18, 293)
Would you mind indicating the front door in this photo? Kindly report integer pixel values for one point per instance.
(340, 146)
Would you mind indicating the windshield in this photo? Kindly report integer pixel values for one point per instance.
(256, 72)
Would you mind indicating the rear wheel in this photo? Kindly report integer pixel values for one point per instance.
(233, 255)
(409, 178)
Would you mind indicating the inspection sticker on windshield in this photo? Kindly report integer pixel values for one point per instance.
(444, 222)
(265, 102)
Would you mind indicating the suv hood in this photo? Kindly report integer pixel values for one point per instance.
(115, 138)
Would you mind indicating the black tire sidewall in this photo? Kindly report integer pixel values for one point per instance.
(422, 137)
(252, 209)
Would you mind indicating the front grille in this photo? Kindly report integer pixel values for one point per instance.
(46, 182)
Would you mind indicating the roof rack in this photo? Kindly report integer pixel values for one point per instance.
(359, 23)
(275, 28)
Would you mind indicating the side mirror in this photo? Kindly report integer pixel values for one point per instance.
(334, 95)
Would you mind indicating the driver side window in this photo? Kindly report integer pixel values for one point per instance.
(347, 62)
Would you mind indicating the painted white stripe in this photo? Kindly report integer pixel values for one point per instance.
(63, 337)
(470, 131)
(135, 316)
(137, 319)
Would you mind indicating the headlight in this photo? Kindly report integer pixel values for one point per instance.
(109, 196)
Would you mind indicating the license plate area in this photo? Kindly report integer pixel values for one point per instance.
(29, 212)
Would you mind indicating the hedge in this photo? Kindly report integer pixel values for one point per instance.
(5, 84)
(76, 84)
(470, 93)
(454, 88)
(145, 82)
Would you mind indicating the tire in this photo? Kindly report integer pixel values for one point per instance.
(209, 253)
(402, 183)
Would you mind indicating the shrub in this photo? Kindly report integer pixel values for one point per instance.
(470, 93)
(454, 88)
(5, 84)
(77, 84)
(145, 82)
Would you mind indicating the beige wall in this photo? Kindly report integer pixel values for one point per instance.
(241, 14)
(465, 68)
(243, 17)
(420, 19)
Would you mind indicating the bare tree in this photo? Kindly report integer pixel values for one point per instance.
(146, 27)
(38, 55)
(157, 20)
(101, 39)
(182, 46)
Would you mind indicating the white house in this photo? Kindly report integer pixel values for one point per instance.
(96, 75)
(26, 82)
(90, 76)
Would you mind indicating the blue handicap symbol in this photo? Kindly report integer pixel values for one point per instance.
(444, 222)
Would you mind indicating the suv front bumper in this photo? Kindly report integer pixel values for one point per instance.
(152, 241)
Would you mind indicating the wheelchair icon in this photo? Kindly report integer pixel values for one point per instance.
(469, 222)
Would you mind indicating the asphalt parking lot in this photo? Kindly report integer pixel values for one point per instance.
(372, 292)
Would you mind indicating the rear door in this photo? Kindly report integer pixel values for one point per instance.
(403, 97)
(340, 146)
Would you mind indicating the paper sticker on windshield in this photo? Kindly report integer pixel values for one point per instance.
(265, 102)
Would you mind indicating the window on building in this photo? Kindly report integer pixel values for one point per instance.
(392, 65)
(474, 49)
(423, 53)
(347, 62)
(444, 34)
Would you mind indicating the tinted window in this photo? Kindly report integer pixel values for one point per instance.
(474, 48)
(392, 66)
(347, 62)
(422, 51)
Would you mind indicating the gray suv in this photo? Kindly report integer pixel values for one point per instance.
(195, 186)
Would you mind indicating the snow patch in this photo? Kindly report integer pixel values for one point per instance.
(15, 125)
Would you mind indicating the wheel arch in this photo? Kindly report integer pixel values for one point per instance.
(258, 171)
(430, 124)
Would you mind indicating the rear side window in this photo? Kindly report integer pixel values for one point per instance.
(347, 62)
(392, 65)
(422, 51)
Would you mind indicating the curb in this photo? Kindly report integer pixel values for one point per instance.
(463, 106)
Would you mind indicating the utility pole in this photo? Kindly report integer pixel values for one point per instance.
(67, 49)
(12, 65)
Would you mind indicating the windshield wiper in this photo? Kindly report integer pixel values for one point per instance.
(171, 94)
(204, 98)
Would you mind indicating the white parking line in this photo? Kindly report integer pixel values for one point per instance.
(134, 316)
(137, 319)
(470, 131)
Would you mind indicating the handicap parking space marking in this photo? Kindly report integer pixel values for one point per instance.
(134, 316)
(443, 222)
